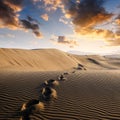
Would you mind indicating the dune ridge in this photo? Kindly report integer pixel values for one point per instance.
(51, 60)
(98, 62)
(43, 60)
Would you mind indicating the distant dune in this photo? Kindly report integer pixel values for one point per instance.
(98, 62)
(50, 60)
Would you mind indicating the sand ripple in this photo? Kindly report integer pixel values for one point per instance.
(85, 95)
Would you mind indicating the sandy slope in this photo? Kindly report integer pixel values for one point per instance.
(91, 94)
(114, 61)
(98, 62)
(86, 95)
(49, 59)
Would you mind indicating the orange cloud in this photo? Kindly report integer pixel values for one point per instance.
(15, 5)
(8, 13)
(118, 21)
(9, 17)
(45, 17)
(87, 14)
(113, 42)
(52, 4)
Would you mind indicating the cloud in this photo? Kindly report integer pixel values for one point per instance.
(9, 13)
(88, 13)
(62, 40)
(87, 18)
(31, 24)
(52, 4)
(16, 5)
(45, 17)
(9, 17)
(63, 20)
(115, 41)
(110, 37)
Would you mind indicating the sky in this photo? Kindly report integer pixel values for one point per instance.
(88, 26)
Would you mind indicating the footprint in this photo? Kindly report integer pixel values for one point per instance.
(51, 83)
(32, 106)
(61, 78)
(48, 93)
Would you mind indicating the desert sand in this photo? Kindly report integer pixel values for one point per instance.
(91, 91)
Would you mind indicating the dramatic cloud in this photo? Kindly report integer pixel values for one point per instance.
(32, 24)
(86, 16)
(45, 17)
(9, 17)
(9, 13)
(88, 13)
(110, 37)
(16, 5)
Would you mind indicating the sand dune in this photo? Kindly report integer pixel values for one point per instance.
(85, 95)
(31, 87)
(44, 60)
(98, 62)
(113, 61)
(51, 60)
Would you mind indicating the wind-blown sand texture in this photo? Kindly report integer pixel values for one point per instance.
(51, 60)
(91, 94)
(43, 60)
